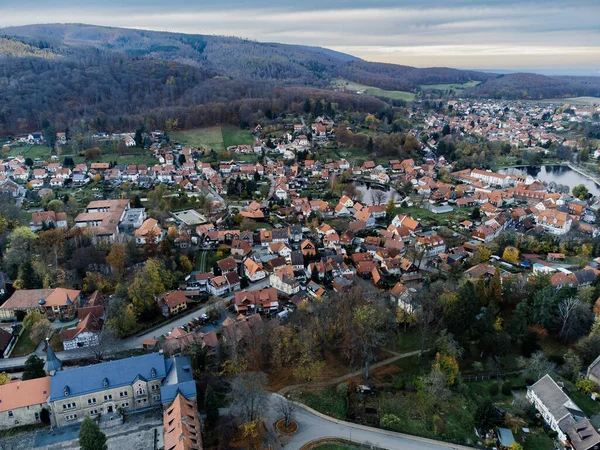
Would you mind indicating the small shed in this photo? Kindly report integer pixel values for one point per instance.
(505, 437)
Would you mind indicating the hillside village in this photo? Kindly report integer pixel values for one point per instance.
(207, 268)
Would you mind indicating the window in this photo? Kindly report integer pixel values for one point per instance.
(91, 401)
(155, 387)
(93, 412)
(71, 417)
(141, 391)
(125, 404)
(142, 401)
(36, 416)
(123, 394)
(156, 397)
(108, 397)
(69, 406)
(10, 414)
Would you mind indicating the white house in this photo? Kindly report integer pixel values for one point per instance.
(283, 280)
(253, 270)
(555, 407)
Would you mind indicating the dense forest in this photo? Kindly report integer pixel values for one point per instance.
(532, 86)
(115, 78)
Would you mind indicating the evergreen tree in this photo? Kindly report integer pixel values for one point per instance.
(494, 291)
(90, 436)
(318, 108)
(28, 277)
(139, 137)
(370, 145)
(330, 111)
(33, 368)
(307, 105)
(211, 407)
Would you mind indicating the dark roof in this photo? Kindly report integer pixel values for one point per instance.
(583, 435)
(585, 276)
(52, 362)
(5, 338)
(297, 258)
(178, 378)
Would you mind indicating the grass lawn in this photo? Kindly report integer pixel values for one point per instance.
(209, 137)
(235, 136)
(587, 405)
(24, 345)
(458, 87)
(38, 151)
(326, 401)
(374, 91)
(424, 215)
(409, 341)
(537, 441)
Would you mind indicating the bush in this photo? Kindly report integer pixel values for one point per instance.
(494, 389)
(507, 388)
(586, 386)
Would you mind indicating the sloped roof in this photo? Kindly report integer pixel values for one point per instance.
(19, 394)
(122, 372)
(182, 425)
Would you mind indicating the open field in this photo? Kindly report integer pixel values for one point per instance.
(376, 92)
(209, 137)
(235, 136)
(573, 100)
(218, 138)
(458, 87)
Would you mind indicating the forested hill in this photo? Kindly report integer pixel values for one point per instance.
(238, 58)
(115, 78)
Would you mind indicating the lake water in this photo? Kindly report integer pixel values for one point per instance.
(559, 174)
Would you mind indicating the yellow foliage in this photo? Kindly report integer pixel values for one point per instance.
(498, 324)
(231, 367)
(4, 378)
(447, 365)
(511, 254)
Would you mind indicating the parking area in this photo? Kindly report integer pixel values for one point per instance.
(139, 432)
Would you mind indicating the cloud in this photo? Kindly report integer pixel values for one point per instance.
(464, 33)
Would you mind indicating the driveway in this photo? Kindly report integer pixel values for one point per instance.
(313, 425)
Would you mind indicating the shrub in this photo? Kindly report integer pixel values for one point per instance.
(507, 388)
(586, 386)
(494, 389)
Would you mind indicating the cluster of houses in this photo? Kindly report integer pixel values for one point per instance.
(520, 123)
(61, 304)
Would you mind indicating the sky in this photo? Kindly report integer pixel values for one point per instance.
(546, 36)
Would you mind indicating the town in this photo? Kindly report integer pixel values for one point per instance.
(398, 272)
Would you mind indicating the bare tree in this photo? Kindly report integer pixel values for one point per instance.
(287, 409)
(107, 341)
(566, 307)
(41, 330)
(428, 311)
(537, 365)
(248, 396)
(378, 196)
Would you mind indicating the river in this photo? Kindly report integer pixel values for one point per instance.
(559, 174)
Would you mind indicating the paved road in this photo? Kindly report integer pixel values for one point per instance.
(125, 344)
(313, 425)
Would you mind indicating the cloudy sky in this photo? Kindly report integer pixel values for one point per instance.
(542, 35)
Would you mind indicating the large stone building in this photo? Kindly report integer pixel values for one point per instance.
(125, 385)
(24, 403)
